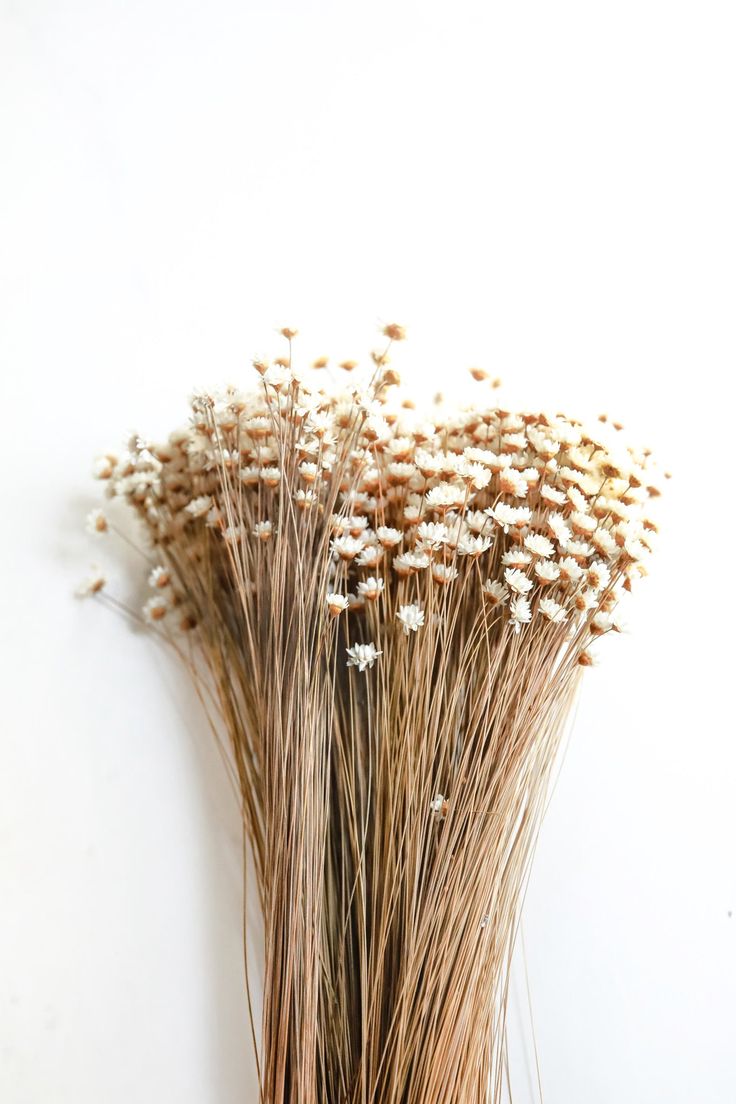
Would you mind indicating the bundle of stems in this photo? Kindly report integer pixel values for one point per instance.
(387, 613)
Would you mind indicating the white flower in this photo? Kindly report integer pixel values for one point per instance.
(263, 530)
(258, 426)
(308, 471)
(411, 618)
(510, 516)
(579, 549)
(576, 497)
(602, 623)
(400, 473)
(512, 482)
(475, 475)
(97, 523)
(93, 584)
(370, 588)
(406, 563)
(480, 455)
(495, 592)
(599, 576)
(558, 527)
(570, 570)
(521, 612)
(277, 376)
(401, 447)
(538, 545)
(387, 536)
(250, 475)
(432, 535)
(336, 603)
(233, 533)
(516, 557)
(160, 577)
(362, 656)
(369, 556)
(439, 806)
(271, 475)
(552, 610)
(155, 609)
(476, 521)
(473, 546)
(550, 494)
(306, 499)
(200, 506)
(585, 600)
(428, 464)
(635, 549)
(517, 581)
(583, 524)
(603, 542)
(546, 571)
(357, 525)
(444, 496)
(103, 467)
(347, 548)
(443, 573)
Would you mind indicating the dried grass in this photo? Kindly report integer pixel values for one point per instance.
(391, 813)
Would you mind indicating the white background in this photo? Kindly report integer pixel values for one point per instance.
(547, 189)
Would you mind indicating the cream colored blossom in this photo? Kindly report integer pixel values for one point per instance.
(362, 656)
(411, 618)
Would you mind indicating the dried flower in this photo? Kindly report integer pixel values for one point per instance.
(362, 656)
(411, 618)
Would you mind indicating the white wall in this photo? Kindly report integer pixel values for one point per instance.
(544, 188)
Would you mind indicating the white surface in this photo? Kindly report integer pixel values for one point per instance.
(547, 189)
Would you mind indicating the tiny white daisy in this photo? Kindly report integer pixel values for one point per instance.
(439, 806)
(97, 523)
(103, 467)
(369, 556)
(406, 563)
(516, 557)
(160, 577)
(550, 494)
(521, 612)
(512, 482)
(200, 506)
(388, 537)
(546, 572)
(93, 584)
(306, 499)
(263, 530)
(444, 573)
(337, 603)
(411, 618)
(552, 610)
(538, 545)
(371, 588)
(494, 592)
(599, 576)
(232, 533)
(432, 535)
(444, 496)
(362, 656)
(347, 548)
(155, 609)
(517, 581)
(473, 546)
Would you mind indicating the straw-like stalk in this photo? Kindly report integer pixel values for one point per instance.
(392, 803)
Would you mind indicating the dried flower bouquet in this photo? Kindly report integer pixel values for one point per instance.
(387, 613)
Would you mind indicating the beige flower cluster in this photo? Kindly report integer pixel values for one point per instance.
(533, 517)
